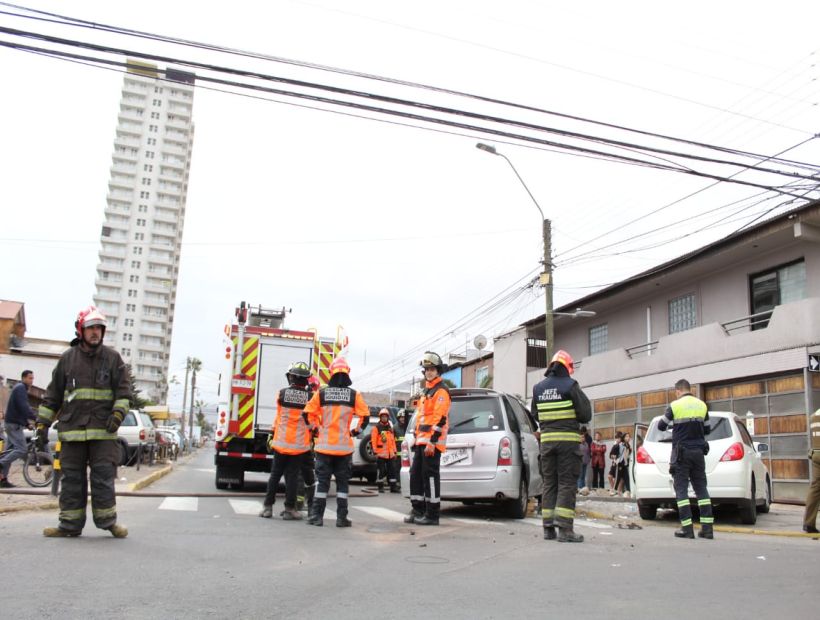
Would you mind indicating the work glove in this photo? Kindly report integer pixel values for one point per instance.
(354, 432)
(41, 437)
(114, 422)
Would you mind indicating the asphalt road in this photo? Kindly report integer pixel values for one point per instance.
(212, 557)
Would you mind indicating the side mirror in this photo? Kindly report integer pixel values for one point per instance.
(761, 447)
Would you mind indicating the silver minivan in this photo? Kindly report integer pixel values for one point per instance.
(492, 452)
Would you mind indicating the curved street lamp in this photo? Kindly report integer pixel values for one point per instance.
(546, 277)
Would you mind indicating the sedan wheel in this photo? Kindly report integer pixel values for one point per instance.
(767, 494)
(518, 507)
(747, 509)
(647, 511)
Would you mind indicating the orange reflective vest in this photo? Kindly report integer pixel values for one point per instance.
(331, 411)
(431, 417)
(290, 430)
(383, 441)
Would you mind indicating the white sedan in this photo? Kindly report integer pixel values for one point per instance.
(735, 472)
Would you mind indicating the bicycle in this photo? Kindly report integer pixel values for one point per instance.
(38, 466)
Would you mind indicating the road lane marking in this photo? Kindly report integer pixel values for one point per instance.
(246, 506)
(382, 513)
(207, 470)
(582, 522)
(190, 504)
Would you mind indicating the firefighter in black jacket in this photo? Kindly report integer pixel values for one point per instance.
(560, 406)
(688, 416)
(88, 397)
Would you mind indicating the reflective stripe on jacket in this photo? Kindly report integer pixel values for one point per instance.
(689, 415)
(290, 430)
(331, 410)
(86, 388)
(432, 420)
(559, 405)
(383, 441)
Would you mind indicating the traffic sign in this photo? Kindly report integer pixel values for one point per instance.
(814, 362)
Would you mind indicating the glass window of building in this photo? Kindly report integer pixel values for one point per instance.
(777, 286)
(598, 339)
(682, 314)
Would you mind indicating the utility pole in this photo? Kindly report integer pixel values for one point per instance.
(546, 276)
(195, 365)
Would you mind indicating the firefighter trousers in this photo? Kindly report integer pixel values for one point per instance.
(288, 465)
(690, 466)
(425, 483)
(560, 468)
(386, 468)
(101, 457)
(341, 468)
(307, 479)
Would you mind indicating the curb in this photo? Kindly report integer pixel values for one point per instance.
(51, 505)
(151, 478)
(726, 529)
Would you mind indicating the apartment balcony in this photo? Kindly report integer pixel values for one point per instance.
(166, 215)
(111, 252)
(145, 346)
(175, 148)
(100, 281)
(122, 152)
(130, 115)
(127, 141)
(119, 165)
(111, 266)
(107, 294)
(166, 172)
(157, 285)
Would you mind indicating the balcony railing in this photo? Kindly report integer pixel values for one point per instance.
(760, 320)
(642, 349)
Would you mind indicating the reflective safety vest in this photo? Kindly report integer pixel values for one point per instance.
(689, 414)
(557, 418)
(331, 411)
(383, 441)
(432, 420)
(290, 430)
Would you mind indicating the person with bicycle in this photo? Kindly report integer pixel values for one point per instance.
(88, 398)
(19, 415)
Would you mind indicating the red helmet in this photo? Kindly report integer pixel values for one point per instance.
(562, 357)
(89, 317)
(313, 382)
(339, 365)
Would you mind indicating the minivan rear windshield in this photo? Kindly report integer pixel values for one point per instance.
(720, 429)
(475, 415)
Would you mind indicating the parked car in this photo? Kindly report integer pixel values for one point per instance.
(735, 472)
(492, 452)
(170, 438)
(136, 429)
(364, 459)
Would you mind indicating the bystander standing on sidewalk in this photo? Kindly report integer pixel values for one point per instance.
(19, 415)
(585, 458)
(614, 455)
(598, 461)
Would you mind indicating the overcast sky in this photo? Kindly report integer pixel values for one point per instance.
(397, 230)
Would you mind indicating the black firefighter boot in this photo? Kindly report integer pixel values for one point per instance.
(341, 513)
(380, 485)
(706, 531)
(549, 532)
(309, 493)
(430, 516)
(685, 531)
(394, 487)
(317, 513)
(566, 534)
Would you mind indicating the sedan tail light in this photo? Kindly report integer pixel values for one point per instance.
(734, 453)
(405, 454)
(642, 456)
(504, 451)
(142, 434)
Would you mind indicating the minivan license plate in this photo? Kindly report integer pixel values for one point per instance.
(454, 456)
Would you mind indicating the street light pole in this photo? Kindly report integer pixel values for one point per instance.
(546, 276)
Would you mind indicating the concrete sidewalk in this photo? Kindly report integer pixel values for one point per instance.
(25, 497)
(781, 520)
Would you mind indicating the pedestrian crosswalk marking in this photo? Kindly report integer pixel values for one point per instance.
(581, 522)
(190, 504)
(382, 513)
(245, 506)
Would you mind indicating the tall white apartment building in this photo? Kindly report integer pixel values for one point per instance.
(141, 237)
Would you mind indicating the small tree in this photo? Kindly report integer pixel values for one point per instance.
(487, 382)
(135, 399)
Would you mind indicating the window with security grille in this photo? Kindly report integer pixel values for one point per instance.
(683, 314)
(598, 339)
